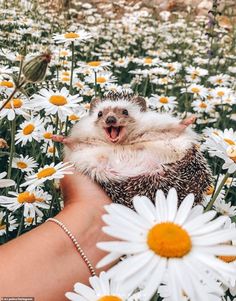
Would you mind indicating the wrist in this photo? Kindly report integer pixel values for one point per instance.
(85, 223)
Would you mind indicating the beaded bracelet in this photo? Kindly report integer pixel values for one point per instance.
(75, 242)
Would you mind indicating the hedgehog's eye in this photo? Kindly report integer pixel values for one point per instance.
(100, 114)
(125, 112)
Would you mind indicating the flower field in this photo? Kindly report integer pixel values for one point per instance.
(52, 66)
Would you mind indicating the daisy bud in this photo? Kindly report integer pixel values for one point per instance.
(35, 69)
(3, 143)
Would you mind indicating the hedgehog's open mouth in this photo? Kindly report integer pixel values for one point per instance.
(114, 132)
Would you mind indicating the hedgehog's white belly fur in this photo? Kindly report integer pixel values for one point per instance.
(106, 163)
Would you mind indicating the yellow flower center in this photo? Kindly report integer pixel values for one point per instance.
(195, 74)
(109, 298)
(64, 53)
(2, 227)
(121, 61)
(94, 63)
(28, 129)
(229, 141)
(210, 190)
(163, 99)
(26, 197)
(7, 84)
(73, 117)
(51, 149)
(227, 259)
(46, 172)
(65, 79)
(219, 81)
(66, 73)
(169, 240)
(171, 68)
(58, 100)
(47, 135)
(220, 93)
(195, 90)
(16, 103)
(101, 80)
(71, 35)
(231, 152)
(148, 60)
(21, 165)
(29, 220)
(202, 105)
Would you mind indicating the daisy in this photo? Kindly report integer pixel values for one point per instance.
(122, 62)
(31, 201)
(164, 238)
(224, 208)
(78, 114)
(7, 85)
(95, 65)
(48, 172)
(49, 149)
(101, 78)
(220, 80)
(25, 164)
(16, 106)
(29, 130)
(29, 221)
(69, 37)
(221, 92)
(5, 182)
(166, 102)
(64, 76)
(47, 133)
(201, 106)
(147, 61)
(12, 223)
(172, 67)
(56, 102)
(102, 288)
(223, 145)
(197, 90)
(195, 73)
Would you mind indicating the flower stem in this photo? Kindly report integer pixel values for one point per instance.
(21, 224)
(145, 86)
(96, 85)
(13, 130)
(217, 192)
(72, 65)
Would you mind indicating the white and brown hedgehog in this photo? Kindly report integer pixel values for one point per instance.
(131, 151)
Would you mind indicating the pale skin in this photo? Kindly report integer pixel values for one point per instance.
(44, 263)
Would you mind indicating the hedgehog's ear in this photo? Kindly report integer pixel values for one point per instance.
(141, 102)
(94, 102)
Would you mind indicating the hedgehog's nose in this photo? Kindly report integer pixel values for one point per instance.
(111, 120)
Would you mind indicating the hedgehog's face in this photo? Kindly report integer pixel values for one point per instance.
(115, 122)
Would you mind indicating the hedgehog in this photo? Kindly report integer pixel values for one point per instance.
(130, 150)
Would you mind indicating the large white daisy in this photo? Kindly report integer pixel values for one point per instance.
(102, 289)
(164, 238)
(56, 102)
(31, 201)
(48, 172)
(25, 164)
(76, 37)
